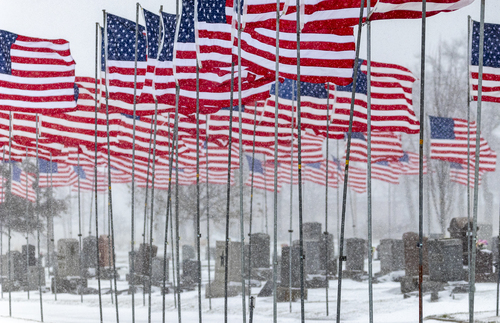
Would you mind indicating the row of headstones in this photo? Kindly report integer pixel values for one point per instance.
(25, 270)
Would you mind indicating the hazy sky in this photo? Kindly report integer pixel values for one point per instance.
(394, 41)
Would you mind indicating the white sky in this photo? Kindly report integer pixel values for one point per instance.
(394, 41)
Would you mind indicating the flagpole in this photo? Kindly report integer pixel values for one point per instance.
(472, 265)
(275, 192)
(8, 194)
(198, 233)
(79, 222)
(240, 150)
(343, 258)
(39, 262)
(98, 269)
(389, 225)
(1, 225)
(27, 229)
(326, 199)
(110, 197)
(177, 237)
(50, 231)
(421, 168)
(252, 169)
(208, 219)
(290, 230)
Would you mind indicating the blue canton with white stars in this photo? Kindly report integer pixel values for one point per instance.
(314, 165)
(186, 28)
(257, 165)
(356, 135)
(121, 40)
(288, 90)
(152, 32)
(405, 158)
(45, 166)
(80, 172)
(212, 11)
(361, 82)
(456, 165)
(6, 41)
(16, 173)
(169, 25)
(442, 128)
(491, 55)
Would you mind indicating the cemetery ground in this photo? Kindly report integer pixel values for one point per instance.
(390, 305)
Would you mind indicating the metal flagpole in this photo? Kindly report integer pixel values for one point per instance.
(1, 223)
(50, 237)
(251, 202)
(27, 230)
(343, 258)
(421, 168)
(389, 225)
(8, 194)
(208, 221)
(326, 199)
(369, 160)
(301, 202)
(197, 220)
(98, 269)
(240, 146)
(275, 193)
(472, 264)
(110, 197)
(290, 230)
(79, 224)
(39, 262)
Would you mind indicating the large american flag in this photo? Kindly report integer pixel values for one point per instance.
(407, 9)
(449, 142)
(36, 75)
(391, 103)
(22, 184)
(491, 61)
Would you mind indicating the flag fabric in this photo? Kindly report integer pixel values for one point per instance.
(449, 142)
(386, 146)
(36, 75)
(22, 184)
(118, 63)
(409, 164)
(491, 62)
(384, 171)
(263, 175)
(458, 174)
(391, 103)
(53, 174)
(408, 9)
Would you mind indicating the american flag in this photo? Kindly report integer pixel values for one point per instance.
(458, 174)
(491, 62)
(449, 142)
(85, 183)
(391, 104)
(36, 75)
(53, 174)
(118, 62)
(386, 146)
(263, 174)
(86, 93)
(315, 15)
(384, 171)
(316, 173)
(215, 176)
(22, 184)
(407, 9)
(408, 164)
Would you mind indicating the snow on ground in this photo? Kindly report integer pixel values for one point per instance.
(389, 306)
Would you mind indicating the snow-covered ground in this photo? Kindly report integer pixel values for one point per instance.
(389, 305)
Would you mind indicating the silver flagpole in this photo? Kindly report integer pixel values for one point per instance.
(421, 168)
(369, 160)
(290, 231)
(472, 265)
(1, 224)
(468, 152)
(275, 193)
(208, 220)
(326, 199)
(39, 262)
(343, 258)
(79, 223)
(240, 150)
(27, 229)
(8, 194)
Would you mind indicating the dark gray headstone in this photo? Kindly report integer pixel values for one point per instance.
(410, 242)
(391, 255)
(105, 251)
(212, 253)
(17, 266)
(285, 266)
(29, 251)
(355, 253)
(188, 252)
(311, 230)
(142, 256)
(89, 252)
(190, 271)
(157, 271)
(458, 230)
(68, 257)
(261, 251)
(445, 260)
(327, 252)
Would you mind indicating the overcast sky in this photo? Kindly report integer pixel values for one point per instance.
(394, 41)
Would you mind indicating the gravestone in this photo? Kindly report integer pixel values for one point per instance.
(494, 247)
(261, 251)
(105, 251)
(355, 253)
(311, 231)
(157, 271)
(484, 266)
(327, 249)
(212, 253)
(458, 230)
(234, 269)
(411, 253)
(68, 257)
(36, 277)
(445, 260)
(89, 250)
(17, 266)
(29, 254)
(312, 249)
(188, 252)
(485, 231)
(141, 264)
(391, 255)
(190, 272)
(285, 266)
